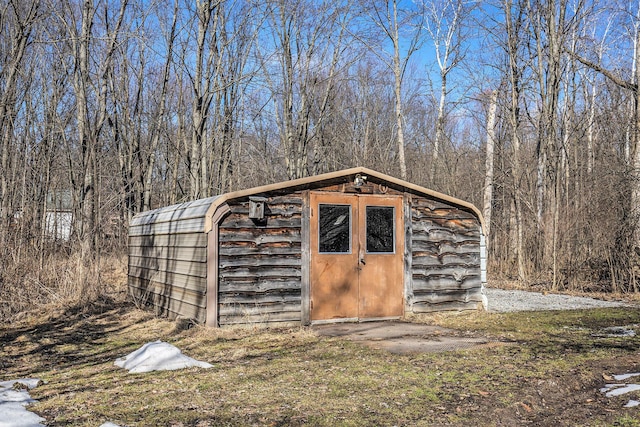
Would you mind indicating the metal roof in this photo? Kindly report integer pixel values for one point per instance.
(198, 215)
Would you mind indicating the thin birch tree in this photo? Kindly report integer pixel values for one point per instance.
(445, 23)
(489, 158)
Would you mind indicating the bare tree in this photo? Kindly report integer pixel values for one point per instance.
(309, 41)
(217, 73)
(49, 118)
(445, 23)
(396, 22)
(208, 15)
(17, 20)
(548, 26)
(327, 86)
(593, 93)
(90, 96)
(489, 157)
(510, 35)
(630, 84)
(156, 130)
(237, 38)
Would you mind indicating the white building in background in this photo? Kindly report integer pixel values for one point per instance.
(59, 215)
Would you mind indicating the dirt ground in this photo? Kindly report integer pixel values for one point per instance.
(406, 338)
(402, 337)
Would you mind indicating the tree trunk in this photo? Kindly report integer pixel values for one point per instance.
(440, 121)
(162, 105)
(635, 177)
(513, 27)
(9, 75)
(81, 82)
(397, 74)
(547, 29)
(88, 132)
(201, 81)
(488, 177)
(389, 23)
(591, 130)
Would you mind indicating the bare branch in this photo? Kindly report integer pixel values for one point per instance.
(607, 73)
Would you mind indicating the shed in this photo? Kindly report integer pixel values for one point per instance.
(59, 215)
(351, 245)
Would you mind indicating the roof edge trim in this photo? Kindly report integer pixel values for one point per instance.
(210, 222)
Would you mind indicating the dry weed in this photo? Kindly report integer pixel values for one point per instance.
(58, 282)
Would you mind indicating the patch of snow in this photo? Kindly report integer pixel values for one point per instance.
(628, 388)
(625, 376)
(157, 356)
(631, 404)
(612, 390)
(109, 424)
(13, 402)
(608, 387)
(619, 331)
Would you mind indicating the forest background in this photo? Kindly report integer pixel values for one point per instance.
(527, 108)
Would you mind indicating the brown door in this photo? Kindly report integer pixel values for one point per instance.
(357, 246)
(381, 256)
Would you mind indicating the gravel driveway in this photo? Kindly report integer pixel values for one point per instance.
(501, 300)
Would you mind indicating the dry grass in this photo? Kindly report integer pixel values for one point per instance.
(550, 375)
(61, 281)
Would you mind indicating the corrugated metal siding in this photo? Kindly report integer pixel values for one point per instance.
(260, 263)
(483, 260)
(168, 259)
(445, 250)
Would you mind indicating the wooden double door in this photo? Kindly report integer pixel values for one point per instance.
(357, 249)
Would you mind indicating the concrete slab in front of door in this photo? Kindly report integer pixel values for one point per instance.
(402, 337)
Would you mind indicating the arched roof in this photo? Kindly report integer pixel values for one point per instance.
(339, 176)
(198, 215)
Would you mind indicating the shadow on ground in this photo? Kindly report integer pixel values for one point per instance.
(61, 340)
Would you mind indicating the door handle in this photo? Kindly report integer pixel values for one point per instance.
(362, 261)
